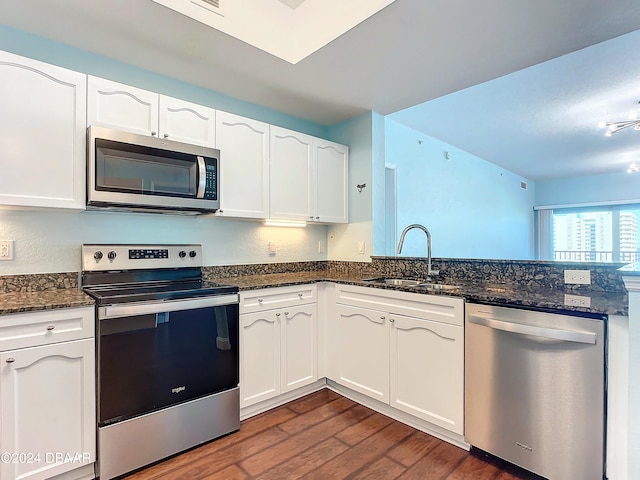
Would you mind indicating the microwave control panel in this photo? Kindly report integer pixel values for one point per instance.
(211, 183)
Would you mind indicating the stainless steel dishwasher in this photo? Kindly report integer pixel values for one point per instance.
(535, 389)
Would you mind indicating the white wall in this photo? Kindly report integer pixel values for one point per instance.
(48, 242)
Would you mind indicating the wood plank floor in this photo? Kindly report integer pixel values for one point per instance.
(327, 436)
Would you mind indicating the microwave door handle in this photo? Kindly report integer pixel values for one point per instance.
(202, 178)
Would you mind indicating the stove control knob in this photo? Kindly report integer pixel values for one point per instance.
(111, 255)
(97, 256)
(192, 253)
(182, 254)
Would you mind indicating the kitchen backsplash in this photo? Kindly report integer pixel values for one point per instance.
(38, 282)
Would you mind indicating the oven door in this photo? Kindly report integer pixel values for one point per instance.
(155, 354)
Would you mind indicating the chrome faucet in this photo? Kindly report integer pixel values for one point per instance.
(424, 229)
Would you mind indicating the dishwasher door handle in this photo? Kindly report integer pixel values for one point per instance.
(543, 332)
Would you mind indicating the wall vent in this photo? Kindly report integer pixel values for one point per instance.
(523, 185)
(211, 5)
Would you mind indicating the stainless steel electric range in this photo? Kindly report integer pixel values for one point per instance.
(167, 353)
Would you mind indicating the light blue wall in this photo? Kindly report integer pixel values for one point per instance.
(612, 187)
(473, 208)
(357, 133)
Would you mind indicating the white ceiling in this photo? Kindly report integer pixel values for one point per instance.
(411, 52)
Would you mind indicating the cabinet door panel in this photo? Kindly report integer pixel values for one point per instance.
(259, 357)
(42, 133)
(291, 168)
(363, 351)
(47, 406)
(244, 166)
(187, 122)
(299, 346)
(331, 166)
(122, 107)
(427, 370)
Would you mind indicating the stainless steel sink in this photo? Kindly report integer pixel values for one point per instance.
(409, 282)
(436, 286)
(400, 282)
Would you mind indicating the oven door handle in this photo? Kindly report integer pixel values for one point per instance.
(142, 308)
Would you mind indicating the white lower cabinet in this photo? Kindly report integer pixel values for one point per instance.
(407, 352)
(278, 340)
(47, 401)
(362, 354)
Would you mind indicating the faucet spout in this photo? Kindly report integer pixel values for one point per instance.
(424, 229)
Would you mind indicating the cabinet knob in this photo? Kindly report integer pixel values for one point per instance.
(153, 134)
(286, 313)
(220, 211)
(260, 300)
(300, 295)
(317, 218)
(311, 217)
(391, 320)
(11, 360)
(277, 314)
(51, 327)
(382, 318)
(166, 135)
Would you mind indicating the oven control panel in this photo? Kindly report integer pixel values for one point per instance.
(98, 257)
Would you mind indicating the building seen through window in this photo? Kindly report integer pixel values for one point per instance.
(596, 235)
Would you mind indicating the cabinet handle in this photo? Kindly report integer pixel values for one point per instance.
(51, 327)
(220, 211)
(11, 360)
(153, 134)
(166, 135)
(317, 218)
(311, 217)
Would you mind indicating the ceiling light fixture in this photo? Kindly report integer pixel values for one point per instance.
(615, 127)
(633, 168)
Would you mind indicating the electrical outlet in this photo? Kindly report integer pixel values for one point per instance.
(577, 301)
(321, 246)
(577, 277)
(360, 247)
(273, 248)
(6, 249)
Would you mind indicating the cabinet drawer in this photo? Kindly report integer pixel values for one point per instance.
(437, 308)
(30, 329)
(270, 298)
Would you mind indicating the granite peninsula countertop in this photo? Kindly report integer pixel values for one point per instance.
(16, 302)
(609, 303)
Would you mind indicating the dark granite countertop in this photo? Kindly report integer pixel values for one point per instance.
(15, 302)
(609, 303)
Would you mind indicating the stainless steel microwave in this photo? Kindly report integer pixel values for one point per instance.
(131, 172)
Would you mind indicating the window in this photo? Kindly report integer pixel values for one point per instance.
(596, 234)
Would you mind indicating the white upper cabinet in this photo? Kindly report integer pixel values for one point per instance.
(187, 122)
(244, 166)
(42, 133)
(331, 185)
(309, 178)
(291, 175)
(122, 107)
